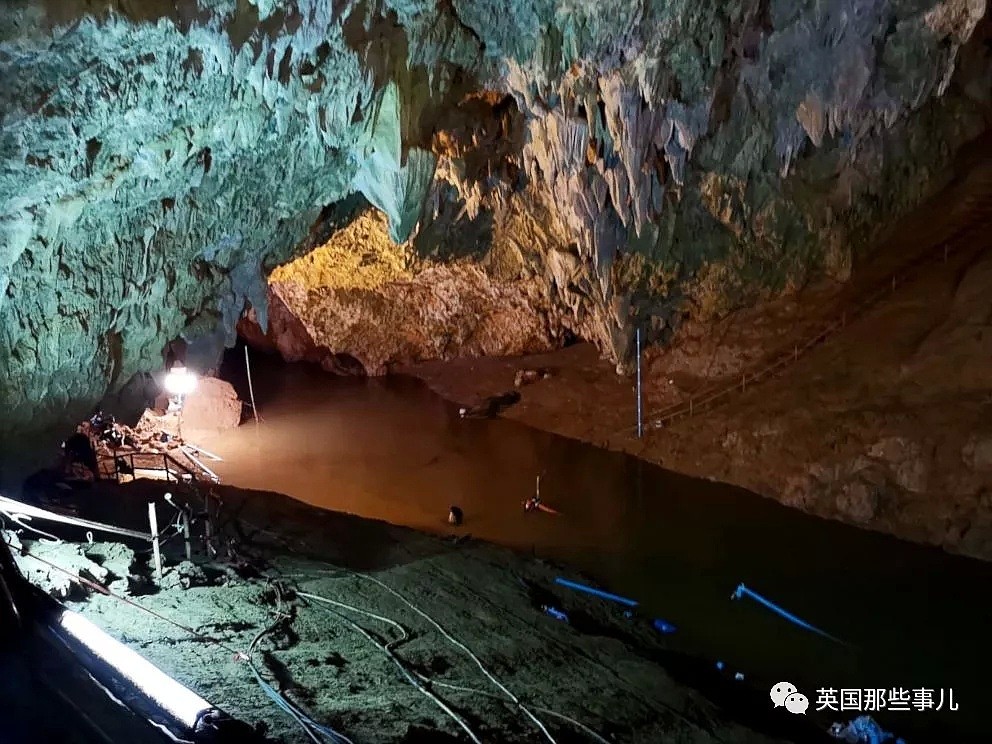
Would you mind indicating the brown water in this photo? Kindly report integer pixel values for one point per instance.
(390, 449)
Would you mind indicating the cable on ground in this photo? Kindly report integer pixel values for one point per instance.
(513, 698)
(304, 721)
(387, 648)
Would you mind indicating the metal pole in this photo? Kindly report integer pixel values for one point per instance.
(189, 548)
(251, 390)
(640, 423)
(211, 455)
(208, 530)
(156, 552)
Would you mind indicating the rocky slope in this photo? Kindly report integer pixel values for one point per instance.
(561, 168)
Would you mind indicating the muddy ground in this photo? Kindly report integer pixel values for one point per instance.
(886, 424)
(613, 673)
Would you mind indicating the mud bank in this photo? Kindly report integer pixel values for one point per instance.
(613, 674)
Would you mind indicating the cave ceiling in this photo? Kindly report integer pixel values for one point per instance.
(591, 165)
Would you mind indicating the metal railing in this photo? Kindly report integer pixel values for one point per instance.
(153, 461)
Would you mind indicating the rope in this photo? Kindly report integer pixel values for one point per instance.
(106, 592)
(432, 682)
(578, 724)
(516, 701)
(513, 698)
(285, 704)
(18, 519)
(387, 648)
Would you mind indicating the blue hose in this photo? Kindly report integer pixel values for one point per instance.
(596, 592)
(663, 626)
(299, 716)
(742, 590)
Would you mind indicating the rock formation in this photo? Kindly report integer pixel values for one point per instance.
(557, 168)
(373, 300)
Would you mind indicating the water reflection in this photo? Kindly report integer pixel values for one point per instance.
(389, 449)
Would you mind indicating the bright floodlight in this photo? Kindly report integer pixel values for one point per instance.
(180, 381)
(183, 704)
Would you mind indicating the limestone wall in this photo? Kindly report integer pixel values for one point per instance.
(621, 162)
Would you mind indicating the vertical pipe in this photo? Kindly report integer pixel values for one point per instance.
(208, 532)
(189, 548)
(251, 390)
(156, 551)
(640, 423)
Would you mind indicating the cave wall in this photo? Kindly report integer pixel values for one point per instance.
(699, 155)
(621, 162)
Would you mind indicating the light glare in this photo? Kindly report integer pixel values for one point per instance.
(180, 381)
(181, 703)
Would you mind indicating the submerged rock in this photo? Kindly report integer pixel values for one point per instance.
(528, 376)
(491, 406)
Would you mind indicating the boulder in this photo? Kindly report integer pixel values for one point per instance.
(977, 453)
(908, 462)
(213, 406)
(858, 500)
